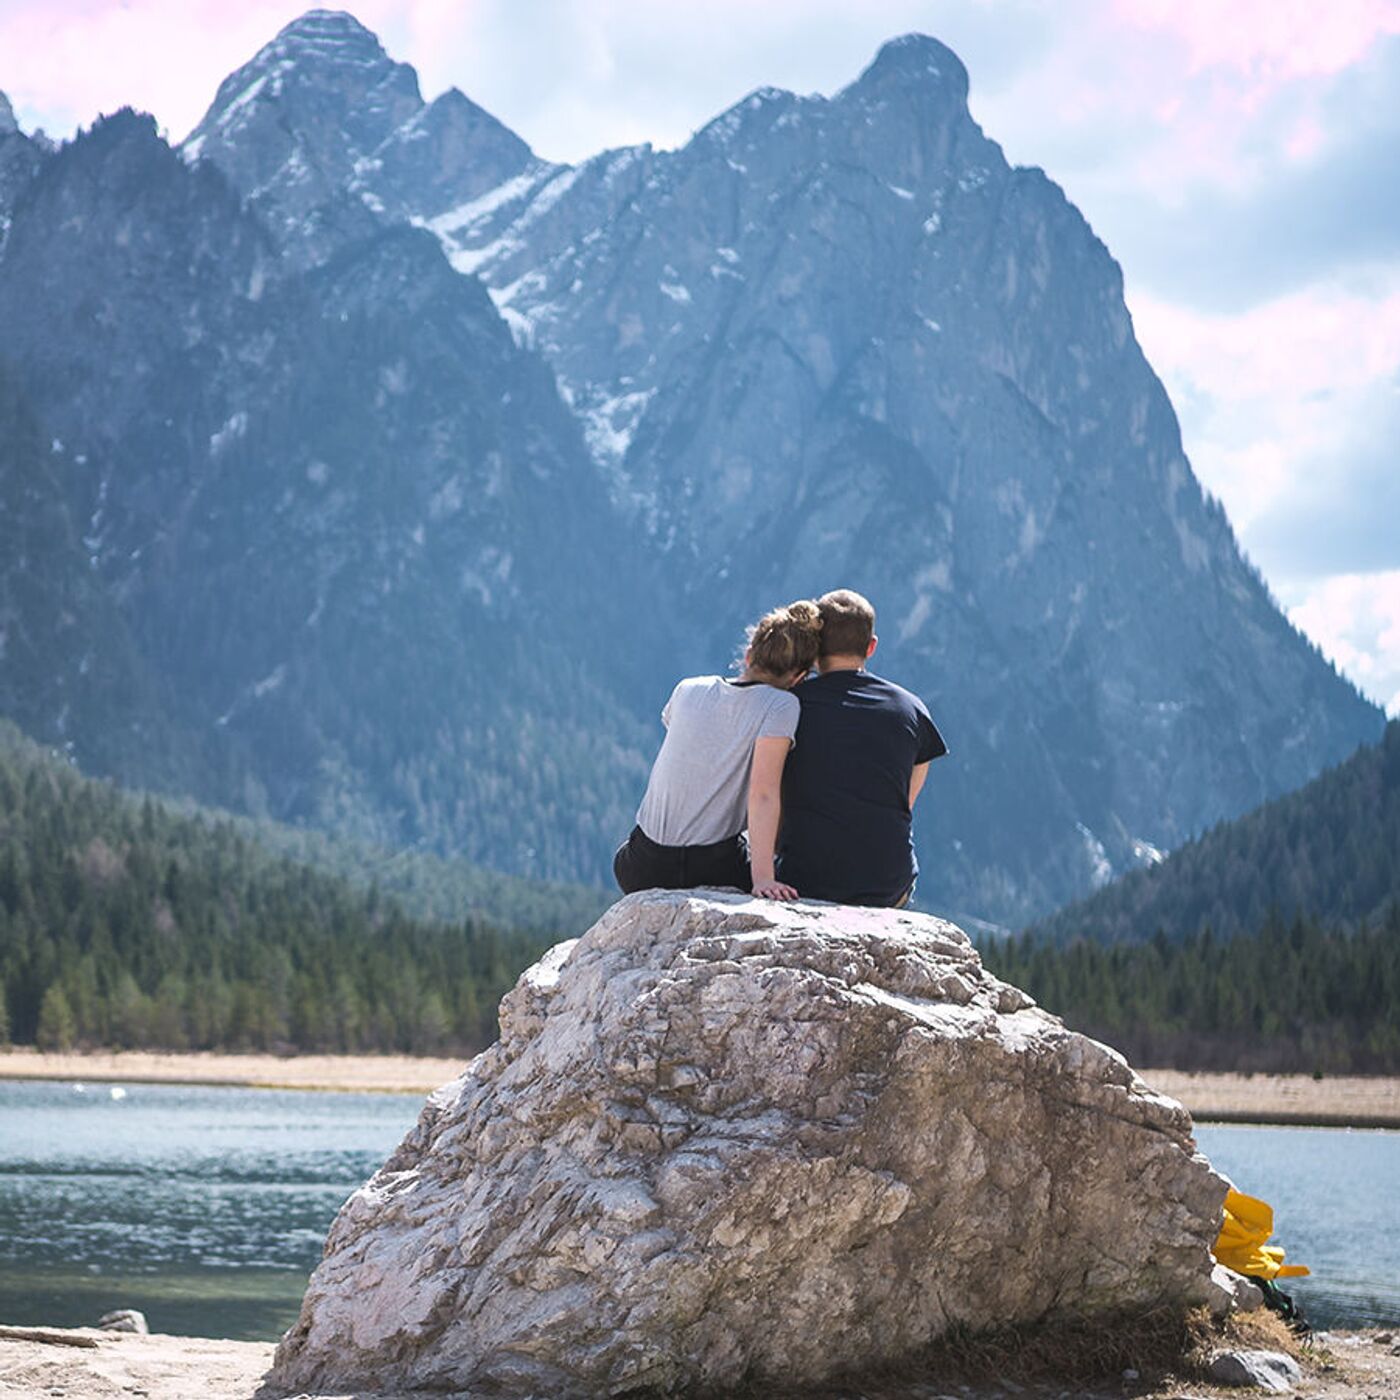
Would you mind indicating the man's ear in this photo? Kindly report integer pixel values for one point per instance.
(870, 650)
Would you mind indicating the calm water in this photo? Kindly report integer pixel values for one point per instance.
(1336, 1199)
(206, 1208)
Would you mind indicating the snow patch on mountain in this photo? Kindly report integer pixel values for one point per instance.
(226, 436)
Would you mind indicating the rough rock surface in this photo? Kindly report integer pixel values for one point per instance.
(721, 1138)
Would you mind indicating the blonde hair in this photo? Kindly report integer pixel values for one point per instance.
(848, 623)
(786, 639)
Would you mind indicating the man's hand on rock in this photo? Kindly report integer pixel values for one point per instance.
(774, 889)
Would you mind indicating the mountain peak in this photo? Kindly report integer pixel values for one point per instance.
(916, 59)
(331, 32)
(8, 124)
(308, 105)
(322, 46)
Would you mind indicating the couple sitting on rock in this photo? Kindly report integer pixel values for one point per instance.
(823, 770)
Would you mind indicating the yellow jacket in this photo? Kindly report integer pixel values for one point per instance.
(1241, 1244)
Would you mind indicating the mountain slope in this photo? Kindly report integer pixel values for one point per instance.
(1326, 852)
(69, 669)
(850, 345)
(20, 157)
(349, 524)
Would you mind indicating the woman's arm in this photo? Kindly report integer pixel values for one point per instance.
(765, 810)
(916, 783)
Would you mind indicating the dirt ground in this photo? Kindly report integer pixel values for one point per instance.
(82, 1364)
(1259, 1098)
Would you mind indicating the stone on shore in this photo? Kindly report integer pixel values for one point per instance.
(725, 1139)
(124, 1320)
(1228, 1292)
(1264, 1370)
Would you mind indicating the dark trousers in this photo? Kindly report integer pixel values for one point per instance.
(644, 864)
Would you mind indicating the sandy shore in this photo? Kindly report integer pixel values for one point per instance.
(1212, 1098)
(391, 1074)
(114, 1366)
(1343, 1102)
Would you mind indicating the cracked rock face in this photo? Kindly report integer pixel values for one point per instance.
(721, 1138)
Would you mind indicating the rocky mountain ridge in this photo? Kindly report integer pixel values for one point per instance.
(300, 487)
(20, 156)
(828, 341)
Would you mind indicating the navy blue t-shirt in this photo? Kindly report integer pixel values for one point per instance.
(846, 833)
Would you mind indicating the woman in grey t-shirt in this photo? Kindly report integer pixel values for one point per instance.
(721, 768)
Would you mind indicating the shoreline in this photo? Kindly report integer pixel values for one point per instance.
(1284, 1100)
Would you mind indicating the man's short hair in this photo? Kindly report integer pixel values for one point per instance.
(848, 623)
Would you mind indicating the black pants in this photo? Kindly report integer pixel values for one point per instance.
(644, 864)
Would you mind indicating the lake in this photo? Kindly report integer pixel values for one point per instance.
(206, 1208)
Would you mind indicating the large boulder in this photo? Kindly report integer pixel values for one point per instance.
(721, 1138)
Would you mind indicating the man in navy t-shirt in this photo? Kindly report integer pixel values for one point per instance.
(862, 752)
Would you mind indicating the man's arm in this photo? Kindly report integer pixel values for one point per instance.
(765, 811)
(916, 783)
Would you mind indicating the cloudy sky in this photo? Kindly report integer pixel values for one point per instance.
(1241, 158)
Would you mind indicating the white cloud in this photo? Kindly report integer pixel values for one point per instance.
(1355, 619)
(1290, 413)
(1273, 396)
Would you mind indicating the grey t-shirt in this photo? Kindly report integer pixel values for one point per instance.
(698, 792)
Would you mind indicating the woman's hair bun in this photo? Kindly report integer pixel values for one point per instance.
(786, 639)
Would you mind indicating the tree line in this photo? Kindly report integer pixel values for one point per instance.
(124, 923)
(1294, 996)
(128, 922)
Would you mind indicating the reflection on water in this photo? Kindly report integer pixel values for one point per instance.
(206, 1208)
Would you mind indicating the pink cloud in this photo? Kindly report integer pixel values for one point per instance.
(1167, 96)
(1250, 66)
(1325, 339)
(1269, 41)
(83, 57)
(1276, 388)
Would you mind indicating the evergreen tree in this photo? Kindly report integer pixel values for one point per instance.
(57, 1030)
